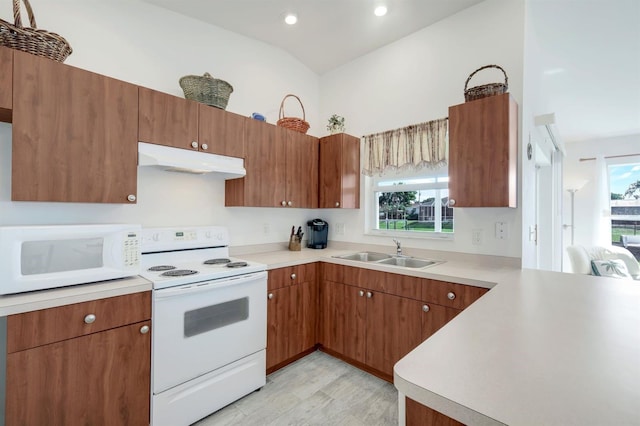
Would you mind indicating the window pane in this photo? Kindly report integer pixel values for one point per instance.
(625, 205)
(422, 211)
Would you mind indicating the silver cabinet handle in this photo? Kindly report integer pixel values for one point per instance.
(283, 203)
(289, 203)
(361, 293)
(204, 146)
(369, 295)
(337, 204)
(452, 202)
(194, 144)
(425, 308)
(89, 319)
(451, 295)
(270, 296)
(131, 198)
(144, 329)
(293, 276)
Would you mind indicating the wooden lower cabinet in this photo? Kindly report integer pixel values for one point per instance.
(291, 315)
(6, 84)
(373, 318)
(371, 328)
(419, 415)
(101, 378)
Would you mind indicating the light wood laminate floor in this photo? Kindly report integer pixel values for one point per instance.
(315, 390)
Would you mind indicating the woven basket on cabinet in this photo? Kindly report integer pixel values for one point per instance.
(485, 90)
(32, 40)
(206, 89)
(292, 123)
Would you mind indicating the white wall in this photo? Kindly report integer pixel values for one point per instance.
(152, 47)
(416, 79)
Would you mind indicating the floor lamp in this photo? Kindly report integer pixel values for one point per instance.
(575, 187)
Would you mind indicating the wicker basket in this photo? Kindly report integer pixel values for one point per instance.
(292, 123)
(206, 89)
(32, 40)
(485, 90)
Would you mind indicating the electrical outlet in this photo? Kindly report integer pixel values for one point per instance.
(476, 237)
(266, 228)
(339, 228)
(502, 230)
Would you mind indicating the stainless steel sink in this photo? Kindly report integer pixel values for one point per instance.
(408, 262)
(365, 256)
(387, 259)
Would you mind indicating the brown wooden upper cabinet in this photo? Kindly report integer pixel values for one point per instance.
(339, 185)
(6, 81)
(173, 121)
(282, 169)
(483, 139)
(75, 134)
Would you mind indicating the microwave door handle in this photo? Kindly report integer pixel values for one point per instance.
(206, 286)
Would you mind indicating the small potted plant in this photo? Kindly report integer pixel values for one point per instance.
(336, 124)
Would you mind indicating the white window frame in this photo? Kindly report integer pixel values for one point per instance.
(372, 212)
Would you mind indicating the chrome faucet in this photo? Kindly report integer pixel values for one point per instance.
(398, 247)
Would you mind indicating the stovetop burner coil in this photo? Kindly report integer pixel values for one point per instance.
(236, 264)
(179, 272)
(161, 268)
(219, 261)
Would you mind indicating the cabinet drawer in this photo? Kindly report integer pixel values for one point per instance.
(385, 282)
(37, 328)
(458, 296)
(291, 275)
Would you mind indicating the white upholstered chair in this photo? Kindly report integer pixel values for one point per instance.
(581, 257)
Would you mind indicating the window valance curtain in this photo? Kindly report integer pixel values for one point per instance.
(414, 147)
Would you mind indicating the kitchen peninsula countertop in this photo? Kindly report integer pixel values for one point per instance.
(541, 348)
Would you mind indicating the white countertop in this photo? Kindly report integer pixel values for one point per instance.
(43, 299)
(541, 348)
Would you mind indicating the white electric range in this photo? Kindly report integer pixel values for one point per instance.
(208, 322)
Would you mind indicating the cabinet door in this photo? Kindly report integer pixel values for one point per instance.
(483, 137)
(99, 379)
(301, 170)
(264, 184)
(75, 134)
(277, 333)
(220, 131)
(344, 319)
(434, 317)
(6, 83)
(419, 415)
(305, 319)
(393, 329)
(167, 120)
(339, 182)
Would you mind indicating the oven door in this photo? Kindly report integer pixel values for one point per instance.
(200, 327)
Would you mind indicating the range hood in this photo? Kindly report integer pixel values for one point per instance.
(188, 161)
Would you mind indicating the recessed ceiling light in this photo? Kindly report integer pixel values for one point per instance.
(291, 19)
(380, 11)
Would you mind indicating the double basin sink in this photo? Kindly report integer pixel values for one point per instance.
(387, 259)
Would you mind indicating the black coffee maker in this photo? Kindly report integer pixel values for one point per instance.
(318, 232)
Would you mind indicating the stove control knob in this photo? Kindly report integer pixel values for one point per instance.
(207, 234)
(155, 237)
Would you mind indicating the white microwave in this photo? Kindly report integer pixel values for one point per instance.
(44, 257)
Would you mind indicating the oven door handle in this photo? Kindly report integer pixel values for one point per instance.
(205, 286)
